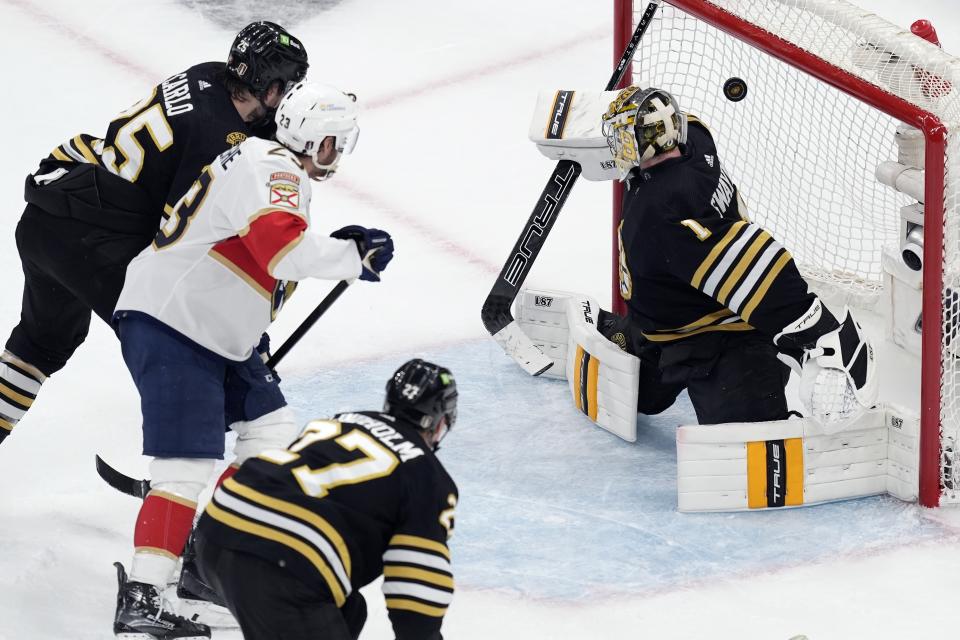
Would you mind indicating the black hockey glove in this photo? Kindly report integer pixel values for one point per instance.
(375, 247)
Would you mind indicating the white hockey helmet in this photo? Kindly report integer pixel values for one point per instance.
(309, 113)
(640, 124)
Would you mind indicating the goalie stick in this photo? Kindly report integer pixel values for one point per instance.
(140, 488)
(496, 314)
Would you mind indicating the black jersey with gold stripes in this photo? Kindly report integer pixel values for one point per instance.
(162, 142)
(353, 498)
(691, 262)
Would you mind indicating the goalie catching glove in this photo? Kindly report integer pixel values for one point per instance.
(375, 247)
(835, 362)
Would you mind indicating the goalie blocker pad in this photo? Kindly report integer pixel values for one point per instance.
(604, 381)
(566, 126)
(792, 463)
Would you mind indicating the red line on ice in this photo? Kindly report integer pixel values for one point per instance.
(87, 42)
(437, 239)
(487, 70)
(446, 244)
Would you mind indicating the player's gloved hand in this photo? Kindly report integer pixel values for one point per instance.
(375, 247)
(263, 350)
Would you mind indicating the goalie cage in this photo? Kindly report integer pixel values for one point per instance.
(837, 99)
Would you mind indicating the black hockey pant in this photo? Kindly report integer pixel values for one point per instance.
(270, 603)
(70, 268)
(729, 376)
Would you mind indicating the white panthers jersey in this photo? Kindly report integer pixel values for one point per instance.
(218, 269)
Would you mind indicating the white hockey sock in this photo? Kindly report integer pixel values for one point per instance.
(152, 568)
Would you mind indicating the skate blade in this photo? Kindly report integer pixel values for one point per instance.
(207, 613)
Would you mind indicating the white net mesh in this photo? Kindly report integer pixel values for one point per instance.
(804, 154)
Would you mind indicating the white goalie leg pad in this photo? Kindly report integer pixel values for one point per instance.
(785, 463)
(603, 379)
(541, 315)
(274, 430)
(839, 379)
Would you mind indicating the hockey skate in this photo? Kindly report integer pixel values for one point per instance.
(198, 600)
(141, 614)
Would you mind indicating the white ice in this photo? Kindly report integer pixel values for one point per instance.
(563, 531)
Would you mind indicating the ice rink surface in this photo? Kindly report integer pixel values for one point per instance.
(563, 531)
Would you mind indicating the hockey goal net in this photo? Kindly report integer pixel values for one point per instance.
(834, 98)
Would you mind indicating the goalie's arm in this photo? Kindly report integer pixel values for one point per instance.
(738, 264)
(741, 266)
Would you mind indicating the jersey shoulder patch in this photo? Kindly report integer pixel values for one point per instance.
(279, 173)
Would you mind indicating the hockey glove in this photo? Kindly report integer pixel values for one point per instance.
(375, 247)
(838, 380)
(263, 350)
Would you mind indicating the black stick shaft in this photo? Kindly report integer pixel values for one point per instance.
(496, 308)
(308, 322)
(631, 47)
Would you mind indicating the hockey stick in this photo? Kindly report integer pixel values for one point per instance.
(496, 314)
(308, 322)
(139, 488)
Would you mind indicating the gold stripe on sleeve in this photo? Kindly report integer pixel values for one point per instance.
(418, 574)
(60, 155)
(19, 398)
(402, 604)
(423, 543)
(765, 285)
(742, 265)
(715, 253)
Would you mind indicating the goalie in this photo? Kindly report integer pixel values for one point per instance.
(714, 304)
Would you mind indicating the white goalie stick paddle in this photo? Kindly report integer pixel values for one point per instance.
(496, 314)
(140, 488)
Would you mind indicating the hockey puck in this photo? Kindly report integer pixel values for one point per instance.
(735, 89)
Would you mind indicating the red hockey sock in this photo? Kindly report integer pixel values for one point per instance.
(227, 473)
(164, 523)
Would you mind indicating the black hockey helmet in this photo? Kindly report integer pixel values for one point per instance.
(264, 53)
(423, 393)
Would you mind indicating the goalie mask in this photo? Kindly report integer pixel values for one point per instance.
(309, 113)
(425, 395)
(640, 124)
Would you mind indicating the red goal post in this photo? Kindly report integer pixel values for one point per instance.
(830, 88)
